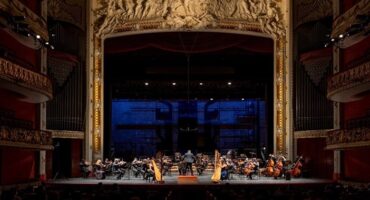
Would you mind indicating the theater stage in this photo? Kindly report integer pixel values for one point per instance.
(201, 180)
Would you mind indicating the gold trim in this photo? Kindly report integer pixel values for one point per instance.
(347, 80)
(67, 134)
(37, 23)
(268, 21)
(26, 78)
(311, 134)
(25, 145)
(348, 145)
(19, 137)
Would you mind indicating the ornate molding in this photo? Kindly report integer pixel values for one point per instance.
(311, 134)
(339, 139)
(36, 23)
(18, 137)
(118, 17)
(67, 134)
(114, 15)
(346, 20)
(345, 85)
(17, 77)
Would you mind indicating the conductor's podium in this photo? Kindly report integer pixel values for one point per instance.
(187, 179)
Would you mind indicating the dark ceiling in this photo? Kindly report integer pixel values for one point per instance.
(201, 64)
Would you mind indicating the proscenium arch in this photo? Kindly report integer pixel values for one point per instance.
(94, 135)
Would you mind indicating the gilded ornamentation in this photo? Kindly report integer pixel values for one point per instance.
(25, 138)
(125, 16)
(24, 77)
(349, 79)
(348, 138)
(185, 14)
(67, 134)
(36, 23)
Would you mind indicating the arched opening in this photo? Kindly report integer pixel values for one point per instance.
(174, 91)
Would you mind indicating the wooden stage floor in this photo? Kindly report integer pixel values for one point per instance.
(201, 180)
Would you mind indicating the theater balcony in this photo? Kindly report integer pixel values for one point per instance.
(356, 134)
(25, 138)
(33, 87)
(350, 84)
(352, 26)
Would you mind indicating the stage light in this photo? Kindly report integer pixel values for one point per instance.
(46, 43)
(38, 36)
(174, 83)
(28, 35)
(200, 83)
(52, 47)
(211, 99)
(53, 35)
(146, 83)
(229, 83)
(332, 39)
(341, 36)
(243, 99)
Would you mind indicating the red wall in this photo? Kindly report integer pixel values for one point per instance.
(317, 160)
(17, 165)
(355, 52)
(356, 164)
(76, 150)
(27, 55)
(33, 5)
(23, 110)
(347, 4)
(356, 109)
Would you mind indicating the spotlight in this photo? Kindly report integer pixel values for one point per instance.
(46, 43)
(243, 99)
(174, 83)
(211, 99)
(229, 83)
(341, 36)
(200, 83)
(326, 44)
(146, 83)
(52, 47)
(53, 35)
(28, 35)
(332, 39)
(38, 36)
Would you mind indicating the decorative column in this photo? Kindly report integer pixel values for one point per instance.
(336, 109)
(43, 57)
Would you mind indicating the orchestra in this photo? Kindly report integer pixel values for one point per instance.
(276, 166)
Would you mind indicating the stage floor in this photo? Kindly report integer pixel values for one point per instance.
(201, 180)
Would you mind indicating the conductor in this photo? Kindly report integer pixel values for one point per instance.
(189, 158)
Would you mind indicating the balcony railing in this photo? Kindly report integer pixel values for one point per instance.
(34, 86)
(25, 138)
(347, 85)
(340, 139)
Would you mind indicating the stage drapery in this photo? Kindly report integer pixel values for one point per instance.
(188, 43)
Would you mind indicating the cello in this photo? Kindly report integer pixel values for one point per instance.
(270, 166)
(278, 168)
(296, 168)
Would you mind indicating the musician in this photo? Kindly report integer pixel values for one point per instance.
(189, 158)
(99, 169)
(84, 167)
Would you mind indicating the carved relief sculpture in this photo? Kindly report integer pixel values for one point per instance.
(182, 14)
